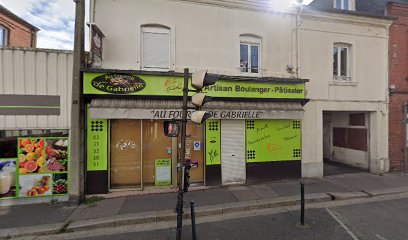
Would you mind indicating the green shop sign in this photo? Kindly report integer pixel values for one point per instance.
(97, 145)
(273, 140)
(213, 142)
(149, 85)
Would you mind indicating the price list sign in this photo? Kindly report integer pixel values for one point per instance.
(97, 145)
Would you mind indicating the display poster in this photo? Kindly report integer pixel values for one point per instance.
(8, 178)
(156, 85)
(97, 145)
(273, 140)
(163, 172)
(42, 166)
(213, 142)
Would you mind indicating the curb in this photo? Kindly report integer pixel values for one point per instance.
(167, 215)
(45, 229)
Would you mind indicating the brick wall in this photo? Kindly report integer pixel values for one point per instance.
(398, 76)
(19, 35)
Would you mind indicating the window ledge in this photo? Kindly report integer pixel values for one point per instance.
(342, 83)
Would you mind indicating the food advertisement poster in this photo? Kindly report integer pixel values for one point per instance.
(273, 140)
(7, 178)
(213, 142)
(41, 168)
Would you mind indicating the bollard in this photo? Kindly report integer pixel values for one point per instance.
(302, 203)
(193, 226)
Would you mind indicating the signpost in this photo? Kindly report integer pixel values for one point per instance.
(199, 80)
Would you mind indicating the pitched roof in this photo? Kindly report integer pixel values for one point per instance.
(14, 16)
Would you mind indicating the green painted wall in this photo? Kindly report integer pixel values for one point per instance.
(273, 140)
(213, 142)
(97, 144)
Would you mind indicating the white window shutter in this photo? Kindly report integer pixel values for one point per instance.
(156, 50)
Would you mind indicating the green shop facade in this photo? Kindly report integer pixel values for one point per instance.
(254, 133)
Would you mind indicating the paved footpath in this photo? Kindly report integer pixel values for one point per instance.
(41, 219)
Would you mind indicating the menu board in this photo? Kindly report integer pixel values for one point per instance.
(163, 172)
(97, 145)
(273, 140)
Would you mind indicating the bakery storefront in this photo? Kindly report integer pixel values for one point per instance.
(254, 134)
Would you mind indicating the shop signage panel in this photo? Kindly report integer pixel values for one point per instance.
(124, 113)
(97, 145)
(163, 172)
(213, 142)
(149, 85)
(273, 140)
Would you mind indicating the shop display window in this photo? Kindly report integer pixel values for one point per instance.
(155, 147)
(125, 165)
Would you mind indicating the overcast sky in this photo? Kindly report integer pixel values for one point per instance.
(55, 18)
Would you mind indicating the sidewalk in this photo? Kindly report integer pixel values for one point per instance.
(40, 219)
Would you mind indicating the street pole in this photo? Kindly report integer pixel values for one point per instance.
(182, 155)
(76, 166)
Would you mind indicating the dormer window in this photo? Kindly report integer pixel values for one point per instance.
(342, 4)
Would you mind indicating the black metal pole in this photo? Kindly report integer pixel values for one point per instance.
(302, 203)
(193, 226)
(182, 156)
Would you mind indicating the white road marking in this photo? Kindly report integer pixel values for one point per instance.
(377, 235)
(342, 224)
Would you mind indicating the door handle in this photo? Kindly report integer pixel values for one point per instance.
(233, 155)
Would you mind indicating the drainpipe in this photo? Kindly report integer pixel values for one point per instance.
(298, 23)
(405, 121)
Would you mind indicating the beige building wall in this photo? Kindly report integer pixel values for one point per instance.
(45, 72)
(202, 35)
(367, 91)
(205, 35)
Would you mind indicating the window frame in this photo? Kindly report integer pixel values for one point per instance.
(157, 29)
(5, 35)
(339, 77)
(250, 40)
(342, 4)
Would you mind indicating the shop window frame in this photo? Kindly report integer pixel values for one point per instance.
(250, 41)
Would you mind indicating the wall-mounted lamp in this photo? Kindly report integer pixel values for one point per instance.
(289, 68)
(392, 88)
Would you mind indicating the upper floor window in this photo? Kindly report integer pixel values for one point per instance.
(155, 48)
(3, 36)
(341, 62)
(250, 54)
(342, 4)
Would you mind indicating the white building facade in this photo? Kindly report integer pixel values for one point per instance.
(335, 60)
